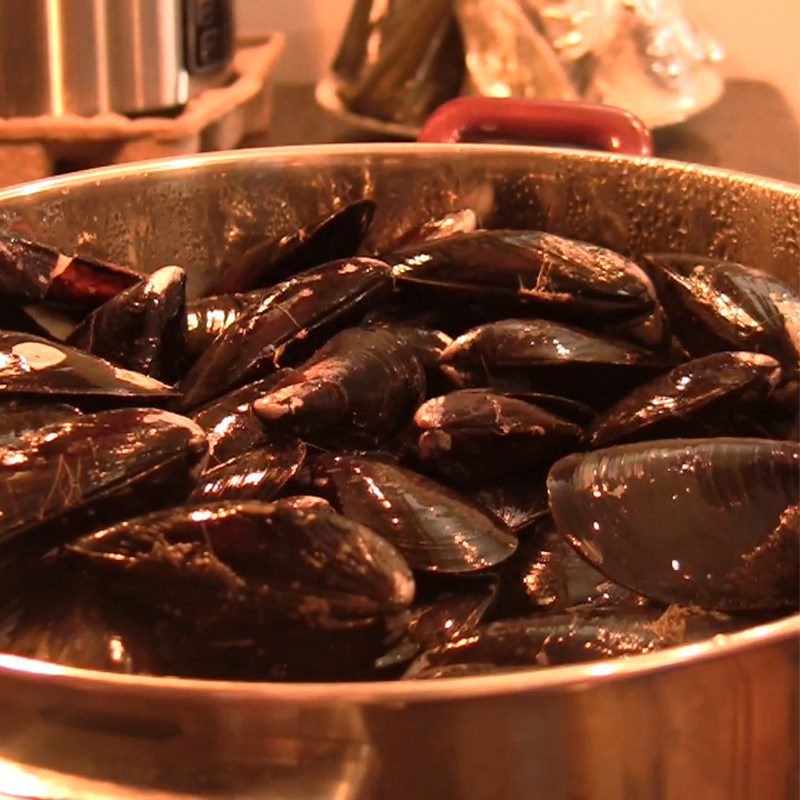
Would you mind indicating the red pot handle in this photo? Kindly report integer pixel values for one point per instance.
(541, 121)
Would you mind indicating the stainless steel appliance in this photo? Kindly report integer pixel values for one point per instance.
(88, 57)
(713, 720)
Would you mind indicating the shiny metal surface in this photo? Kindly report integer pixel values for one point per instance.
(715, 720)
(92, 56)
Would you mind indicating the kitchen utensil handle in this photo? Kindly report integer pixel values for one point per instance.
(538, 121)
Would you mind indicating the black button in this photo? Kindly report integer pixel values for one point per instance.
(208, 47)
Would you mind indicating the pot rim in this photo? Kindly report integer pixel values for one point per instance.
(180, 164)
(557, 678)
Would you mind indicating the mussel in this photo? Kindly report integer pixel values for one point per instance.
(357, 389)
(18, 417)
(475, 436)
(436, 529)
(708, 522)
(518, 355)
(143, 328)
(273, 260)
(34, 367)
(74, 475)
(208, 317)
(293, 320)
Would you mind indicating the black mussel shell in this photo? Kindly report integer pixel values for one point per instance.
(32, 366)
(435, 528)
(713, 395)
(357, 389)
(250, 564)
(517, 269)
(521, 355)
(18, 417)
(475, 436)
(519, 503)
(208, 317)
(32, 271)
(230, 425)
(463, 221)
(256, 475)
(69, 477)
(40, 319)
(450, 616)
(546, 574)
(334, 237)
(289, 324)
(577, 637)
(709, 522)
(143, 328)
(716, 305)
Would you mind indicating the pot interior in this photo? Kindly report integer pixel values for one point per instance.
(198, 212)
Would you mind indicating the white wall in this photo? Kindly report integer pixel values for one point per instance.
(762, 36)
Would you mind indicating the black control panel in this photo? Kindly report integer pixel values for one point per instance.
(209, 34)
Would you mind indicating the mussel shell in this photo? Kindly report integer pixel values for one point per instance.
(709, 395)
(333, 237)
(519, 503)
(256, 475)
(546, 574)
(208, 317)
(33, 271)
(576, 637)
(435, 528)
(717, 305)
(703, 522)
(32, 366)
(520, 355)
(243, 564)
(230, 425)
(25, 416)
(475, 436)
(358, 389)
(143, 328)
(290, 323)
(65, 479)
(73, 629)
(463, 221)
(561, 277)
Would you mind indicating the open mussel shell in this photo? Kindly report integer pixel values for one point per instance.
(435, 528)
(540, 272)
(208, 317)
(547, 574)
(34, 367)
(358, 389)
(33, 271)
(713, 395)
(143, 328)
(709, 522)
(273, 260)
(250, 564)
(288, 324)
(19, 417)
(576, 637)
(716, 305)
(72, 476)
(259, 474)
(472, 436)
(230, 425)
(519, 355)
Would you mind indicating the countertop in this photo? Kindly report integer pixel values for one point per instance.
(751, 128)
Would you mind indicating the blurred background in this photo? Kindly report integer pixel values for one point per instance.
(761, 37)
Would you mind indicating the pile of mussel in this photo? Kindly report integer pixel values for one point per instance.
(474, 451)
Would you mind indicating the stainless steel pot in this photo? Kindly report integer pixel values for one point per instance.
(712, 720)
(90, 57)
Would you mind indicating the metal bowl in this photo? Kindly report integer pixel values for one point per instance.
(712, 720)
